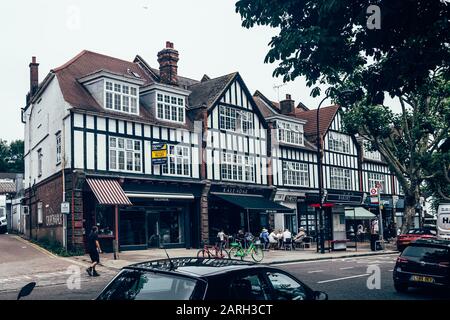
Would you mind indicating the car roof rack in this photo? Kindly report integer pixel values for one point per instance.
(174, 263)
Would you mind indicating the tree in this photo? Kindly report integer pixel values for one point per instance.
(404, 52)
(11, 156)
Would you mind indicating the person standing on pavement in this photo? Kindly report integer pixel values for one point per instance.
(94, 251)
(374, 229)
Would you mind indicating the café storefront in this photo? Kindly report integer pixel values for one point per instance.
(250, 208)
(159, 214)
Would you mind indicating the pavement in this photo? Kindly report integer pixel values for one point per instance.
(126, 258)
(22, 262)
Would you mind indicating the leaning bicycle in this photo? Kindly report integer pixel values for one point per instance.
(213, 251)
(254, 250)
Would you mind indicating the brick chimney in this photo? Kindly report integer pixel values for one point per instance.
(167, 59)
(34, 76)
(288, 105)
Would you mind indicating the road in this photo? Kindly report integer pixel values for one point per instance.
(58, 278)
(346, 279)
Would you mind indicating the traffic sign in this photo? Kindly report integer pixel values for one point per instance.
(65, 207)
(373, 191)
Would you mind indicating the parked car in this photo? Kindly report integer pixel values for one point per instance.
(404, 240)
(206, 279)
(425, 262)
(3, 223)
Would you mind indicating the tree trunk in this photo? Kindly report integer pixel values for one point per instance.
(410, 211)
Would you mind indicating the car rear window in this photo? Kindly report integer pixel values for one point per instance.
(427, 254)
(139, 285)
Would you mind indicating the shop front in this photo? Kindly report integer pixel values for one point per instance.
(232, 208)
(335, 204)
(160, 214)
(292, 199)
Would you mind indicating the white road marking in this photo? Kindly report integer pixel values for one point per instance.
(346, 268)
(315, 271)
(345, 278)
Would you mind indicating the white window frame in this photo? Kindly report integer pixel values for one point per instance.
(170, 107)
(372, 155)
(124, 97)
(338, 142)
(237, 167)
(295, 174)
(178, 161)
(40, 213)
(58, 148)
(289, 133)
(374, 178)
(236, 120)
(39, 162)
(340, 178)
(130, 150)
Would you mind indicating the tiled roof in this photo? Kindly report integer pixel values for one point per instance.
(326, 115)
(7, 187)
(207, 92)
(88, 62)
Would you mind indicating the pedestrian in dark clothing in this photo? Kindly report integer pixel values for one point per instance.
(94, 250)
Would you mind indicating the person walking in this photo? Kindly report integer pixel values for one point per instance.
(221, 238)
(94, 250)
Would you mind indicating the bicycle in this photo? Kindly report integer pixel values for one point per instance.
(254, 249)
(214, 251)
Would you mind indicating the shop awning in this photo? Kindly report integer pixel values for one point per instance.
(108, 191)
(359, 214)
(154, 195)
(252, 202)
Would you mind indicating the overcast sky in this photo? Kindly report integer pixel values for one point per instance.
(207, 34)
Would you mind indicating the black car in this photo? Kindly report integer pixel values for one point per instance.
(424, 263)
(206, 279)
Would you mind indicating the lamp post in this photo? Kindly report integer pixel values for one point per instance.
(321, 241)
(319, 167)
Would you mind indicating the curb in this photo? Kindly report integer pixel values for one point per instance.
(35, 246)
(333, 258)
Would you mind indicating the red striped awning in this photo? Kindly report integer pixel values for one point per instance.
(108, 191)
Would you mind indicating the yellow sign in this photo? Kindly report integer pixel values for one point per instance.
(157, 154)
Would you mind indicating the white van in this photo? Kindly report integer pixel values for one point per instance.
(443, 221)
(3, 224)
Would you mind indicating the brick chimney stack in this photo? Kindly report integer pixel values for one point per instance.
(288, 105)
(168, 68)
(34, 76)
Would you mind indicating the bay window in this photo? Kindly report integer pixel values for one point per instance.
(125, 154)
(289, 133)
(295, 174)
(338, 142)
(340, 179)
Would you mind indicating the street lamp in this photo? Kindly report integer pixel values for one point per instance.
(319, 167)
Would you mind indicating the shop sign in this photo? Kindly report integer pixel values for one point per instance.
(159, 153)
(234, 190)
(344, 198)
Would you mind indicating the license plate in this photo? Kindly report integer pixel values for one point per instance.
(422, 279)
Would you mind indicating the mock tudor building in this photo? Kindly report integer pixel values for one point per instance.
(150, 157)
(293, 161)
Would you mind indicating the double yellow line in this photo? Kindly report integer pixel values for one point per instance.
(42, 250)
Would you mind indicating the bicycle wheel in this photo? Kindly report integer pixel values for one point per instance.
(223, 254)
(202, 253)
(257, 254)
(235, 253)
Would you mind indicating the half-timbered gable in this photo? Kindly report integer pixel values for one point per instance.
(236, 140)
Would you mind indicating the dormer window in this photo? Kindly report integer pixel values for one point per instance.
(170, 107)
(290, 133)
(235, 120)
(121, 97)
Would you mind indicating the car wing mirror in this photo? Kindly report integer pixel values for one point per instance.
(26, 290)
(319, 295)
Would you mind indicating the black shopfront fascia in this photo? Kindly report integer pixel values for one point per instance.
(155, 218)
